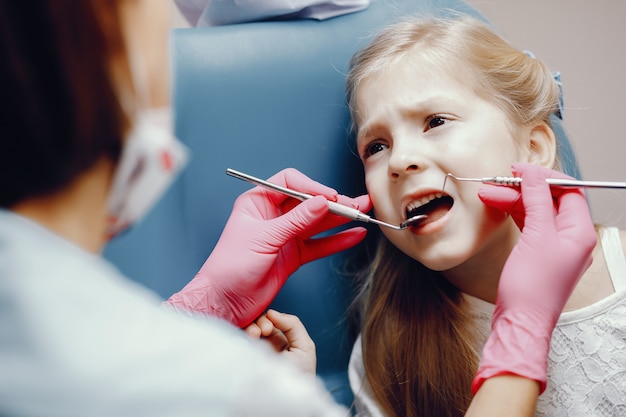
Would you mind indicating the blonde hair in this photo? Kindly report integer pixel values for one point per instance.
(521, 86)
(417, 337)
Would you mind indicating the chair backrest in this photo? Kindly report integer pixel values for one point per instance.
(260, 97)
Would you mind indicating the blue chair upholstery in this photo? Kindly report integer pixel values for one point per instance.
(260, 97)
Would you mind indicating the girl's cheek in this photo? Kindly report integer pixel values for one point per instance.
(372, 184)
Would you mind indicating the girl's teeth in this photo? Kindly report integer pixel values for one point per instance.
(424, 200)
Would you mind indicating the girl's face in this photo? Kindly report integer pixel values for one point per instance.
(415, 126)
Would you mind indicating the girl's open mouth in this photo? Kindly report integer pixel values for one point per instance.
(435, 208)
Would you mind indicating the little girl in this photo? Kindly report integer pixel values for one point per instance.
(437, 96)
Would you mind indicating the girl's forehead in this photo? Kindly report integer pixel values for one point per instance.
(426, 63)
(417, 74)
(443, 64)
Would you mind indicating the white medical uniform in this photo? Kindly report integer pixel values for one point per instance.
(78, 339)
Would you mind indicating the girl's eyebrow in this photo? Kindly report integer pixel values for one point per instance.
(362, 135)
(434, 103)
(429, 104)
(367, 131)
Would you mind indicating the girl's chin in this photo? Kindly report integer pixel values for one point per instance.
(438, 265)
(435, 259)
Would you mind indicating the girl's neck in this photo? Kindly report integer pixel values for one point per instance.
(595, 284)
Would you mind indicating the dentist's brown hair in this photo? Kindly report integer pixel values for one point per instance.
(63, 64)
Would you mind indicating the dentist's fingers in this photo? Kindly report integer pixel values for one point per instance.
(507, 199)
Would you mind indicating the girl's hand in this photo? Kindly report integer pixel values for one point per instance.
(288, 336)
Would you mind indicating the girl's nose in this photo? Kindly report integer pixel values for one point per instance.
(405, 159)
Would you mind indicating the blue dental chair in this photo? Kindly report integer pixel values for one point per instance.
(260, 97)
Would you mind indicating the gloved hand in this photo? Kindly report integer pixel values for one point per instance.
(267, 237)
(540, 274)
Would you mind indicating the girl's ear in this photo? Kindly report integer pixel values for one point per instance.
(542, 145)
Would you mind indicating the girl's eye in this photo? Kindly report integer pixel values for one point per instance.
(372, 149)
(434, 121)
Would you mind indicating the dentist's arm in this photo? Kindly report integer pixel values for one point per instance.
(267, 237)
(554, 250)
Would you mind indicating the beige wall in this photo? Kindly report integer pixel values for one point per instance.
(586, 41)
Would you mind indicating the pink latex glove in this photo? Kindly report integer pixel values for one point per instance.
(540, 274)
(267, 237)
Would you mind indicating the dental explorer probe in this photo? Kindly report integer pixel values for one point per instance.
(335, 208)
(554, 182)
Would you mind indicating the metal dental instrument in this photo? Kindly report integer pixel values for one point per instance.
(335, 208)
(554, 182)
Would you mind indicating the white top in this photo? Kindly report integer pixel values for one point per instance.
(587, 361)
(78, 339)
